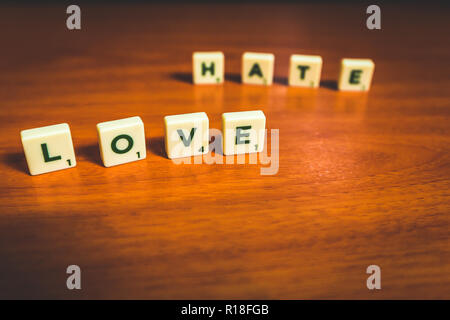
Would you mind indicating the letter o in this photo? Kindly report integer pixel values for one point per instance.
(116, 139)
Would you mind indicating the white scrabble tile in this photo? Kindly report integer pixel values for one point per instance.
(208, 67)
(48, 148)
(243, 132)
(257, 68)
(186, 134)
(304, 71)
(121, 141)
(356, 74)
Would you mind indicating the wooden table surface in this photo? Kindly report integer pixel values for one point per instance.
(363, 178)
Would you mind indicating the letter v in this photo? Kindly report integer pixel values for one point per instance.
(183, 138)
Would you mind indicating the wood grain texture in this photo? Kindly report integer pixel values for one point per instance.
(363, 179)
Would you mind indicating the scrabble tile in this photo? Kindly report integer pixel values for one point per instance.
(304, 71)
(243, 132)
(257, 68)
(186, 134)
(121, 141)
(208, 67)
(48, 148)
(356, 74)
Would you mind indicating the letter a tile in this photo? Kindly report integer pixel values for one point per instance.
(257, 68)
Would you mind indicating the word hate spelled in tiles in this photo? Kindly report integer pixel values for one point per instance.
(304, 70)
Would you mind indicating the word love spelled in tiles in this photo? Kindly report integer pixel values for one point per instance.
(304, 70)
(121, 141)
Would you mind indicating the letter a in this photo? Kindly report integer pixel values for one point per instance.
(256, 69)
(74, 280)
(373, 21)
(74, 20)
(374, 281)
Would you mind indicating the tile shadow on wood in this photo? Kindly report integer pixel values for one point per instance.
(90, 153)
(156, 145)
(182, 76)
(233, 77)
(16, 161)
(329, 84)
(281, 80)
